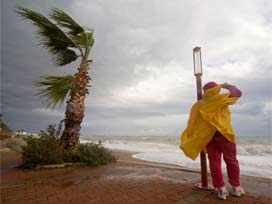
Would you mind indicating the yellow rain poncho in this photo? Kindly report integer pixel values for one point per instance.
(207, 115)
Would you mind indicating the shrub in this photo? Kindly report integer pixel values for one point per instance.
(43, 150)
(91, 154)
(47, 149)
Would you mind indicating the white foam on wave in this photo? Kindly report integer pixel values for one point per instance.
(259, 166)
(254, 160)
(254, 149)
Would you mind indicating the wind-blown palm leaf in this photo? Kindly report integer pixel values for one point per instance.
(65, 21)
(55, 89)
(65, 57)
(51, 37)
(84, 39)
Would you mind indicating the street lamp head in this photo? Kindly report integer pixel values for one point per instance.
(197, 61)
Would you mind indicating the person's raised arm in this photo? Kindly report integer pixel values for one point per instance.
(234, 91)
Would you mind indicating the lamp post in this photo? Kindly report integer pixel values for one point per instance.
(198, 70)
(198, 73)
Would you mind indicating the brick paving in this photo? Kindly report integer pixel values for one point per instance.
(117, 183)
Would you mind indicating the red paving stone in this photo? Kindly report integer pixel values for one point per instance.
(118, 183)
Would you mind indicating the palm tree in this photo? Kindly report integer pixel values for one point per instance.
(67, 41)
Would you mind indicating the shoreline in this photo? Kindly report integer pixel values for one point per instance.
(247, 181)
(122, 157)
(254, 157)
(127, 157)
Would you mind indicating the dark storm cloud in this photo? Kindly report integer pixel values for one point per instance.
(142, 72)
(23, 61)
(138, 111)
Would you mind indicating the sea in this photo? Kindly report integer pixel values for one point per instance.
(254, 153)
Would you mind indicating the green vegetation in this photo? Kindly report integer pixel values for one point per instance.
(47, 149)
(67, 41)
(5, 131)
(43, 150)
(90, 154)
(3, 125)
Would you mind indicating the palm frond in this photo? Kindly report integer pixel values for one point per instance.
(55, 89)
(65, 21)
(51, 37)
(65, 57)
(84, 39)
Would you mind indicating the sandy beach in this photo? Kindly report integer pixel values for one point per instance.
(126, 181)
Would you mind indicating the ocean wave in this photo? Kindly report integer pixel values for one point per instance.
(254, 149)
(254, 156)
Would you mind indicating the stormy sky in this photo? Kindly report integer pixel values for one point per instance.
(142, 74)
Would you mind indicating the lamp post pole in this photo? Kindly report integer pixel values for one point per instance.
(203, 162)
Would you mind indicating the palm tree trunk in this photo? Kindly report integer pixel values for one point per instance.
(75, 108)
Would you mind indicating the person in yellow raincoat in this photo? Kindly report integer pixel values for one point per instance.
(209, 130)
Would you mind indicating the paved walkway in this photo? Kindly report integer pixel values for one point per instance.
(118, 183)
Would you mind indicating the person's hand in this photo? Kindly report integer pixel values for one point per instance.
(225, 85)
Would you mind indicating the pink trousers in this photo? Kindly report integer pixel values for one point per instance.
(220, 145)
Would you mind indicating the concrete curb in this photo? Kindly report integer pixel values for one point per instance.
(53, 166)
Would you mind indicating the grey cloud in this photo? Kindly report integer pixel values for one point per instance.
(130, 38)
(138, 111)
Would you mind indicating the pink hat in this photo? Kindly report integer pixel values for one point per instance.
(209, 85)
